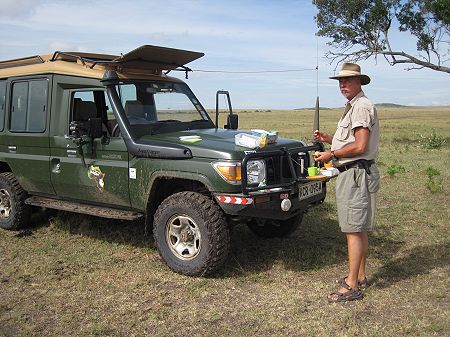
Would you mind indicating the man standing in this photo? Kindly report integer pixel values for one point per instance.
(354, 147)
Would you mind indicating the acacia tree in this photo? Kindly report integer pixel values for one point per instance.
(360, 29)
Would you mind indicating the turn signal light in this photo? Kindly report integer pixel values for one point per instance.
(229, 171)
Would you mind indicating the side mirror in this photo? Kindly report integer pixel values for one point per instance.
(91, 128)
(232, 119)
(232, 122)
(83, 132)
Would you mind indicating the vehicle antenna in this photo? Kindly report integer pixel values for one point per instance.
(316, 111)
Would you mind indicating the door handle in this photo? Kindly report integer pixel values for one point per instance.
(12, 148)
(72, 153)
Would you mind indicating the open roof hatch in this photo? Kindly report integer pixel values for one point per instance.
(160, 58)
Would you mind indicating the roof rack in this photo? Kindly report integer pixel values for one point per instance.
(24, 61)
(84, 59)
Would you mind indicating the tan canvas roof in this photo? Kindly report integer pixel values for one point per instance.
(145, 60)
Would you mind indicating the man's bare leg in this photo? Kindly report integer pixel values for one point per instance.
(357, 247)
(362, 266)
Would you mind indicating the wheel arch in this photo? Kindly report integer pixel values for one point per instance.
(164, 184)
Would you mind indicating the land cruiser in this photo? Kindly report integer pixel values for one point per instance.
(116, 137)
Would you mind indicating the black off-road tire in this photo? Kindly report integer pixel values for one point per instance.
(267, 228)
(14, 213)
(206, 220)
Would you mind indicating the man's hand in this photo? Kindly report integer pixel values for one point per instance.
(324, 157)
(322, 137)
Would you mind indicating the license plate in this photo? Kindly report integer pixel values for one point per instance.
(310, 189)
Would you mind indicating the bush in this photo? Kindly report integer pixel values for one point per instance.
(433, 141)
(393, 169)
(432, 172)
(434, 183)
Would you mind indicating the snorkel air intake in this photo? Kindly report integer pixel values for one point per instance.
(136, 147)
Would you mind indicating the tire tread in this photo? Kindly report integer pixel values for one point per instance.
(20, 210)
(216, 229)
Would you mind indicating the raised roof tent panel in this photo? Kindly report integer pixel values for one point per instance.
(25, 61)
(160, 58)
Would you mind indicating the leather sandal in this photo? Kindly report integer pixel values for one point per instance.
(350, 295)
(362, 285)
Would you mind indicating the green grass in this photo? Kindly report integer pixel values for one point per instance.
(74, 275)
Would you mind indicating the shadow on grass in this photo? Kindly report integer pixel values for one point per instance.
(316, 244)
(419, 260)
(130, 233)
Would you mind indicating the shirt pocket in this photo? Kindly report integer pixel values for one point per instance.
(343, 130)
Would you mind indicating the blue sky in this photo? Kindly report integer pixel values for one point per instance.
(234, 35)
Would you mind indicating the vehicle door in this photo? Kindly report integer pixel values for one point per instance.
(26, 132)
(96, 171)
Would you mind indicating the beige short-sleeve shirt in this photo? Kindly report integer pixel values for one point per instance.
(359, 112)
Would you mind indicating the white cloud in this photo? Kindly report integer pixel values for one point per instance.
(15, 9)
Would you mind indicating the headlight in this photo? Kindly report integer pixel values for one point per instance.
(256, 172)
(229, 171)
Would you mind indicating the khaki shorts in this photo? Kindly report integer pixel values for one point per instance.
(356, 193)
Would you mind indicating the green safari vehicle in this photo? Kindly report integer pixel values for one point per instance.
(116, 137)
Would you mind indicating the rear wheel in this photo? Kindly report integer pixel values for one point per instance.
(191, 234)
(268, 228)
(14, 213)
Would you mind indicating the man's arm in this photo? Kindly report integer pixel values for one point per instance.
(358, 147)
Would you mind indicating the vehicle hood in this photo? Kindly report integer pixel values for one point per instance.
(219, 143)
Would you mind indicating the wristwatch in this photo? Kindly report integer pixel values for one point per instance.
(333, 156)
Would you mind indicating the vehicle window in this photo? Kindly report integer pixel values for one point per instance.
(109, 111)
(84, 95)
(173, 105)
(29, 106)
(151, 102)
(111, 123)
(127, 92)
(2, 103)
(93, 104)
(37, 107)
(83, 106)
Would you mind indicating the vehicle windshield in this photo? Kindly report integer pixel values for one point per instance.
(156, 107)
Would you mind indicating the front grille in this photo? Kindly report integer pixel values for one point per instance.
(283, 167)
(279, 170)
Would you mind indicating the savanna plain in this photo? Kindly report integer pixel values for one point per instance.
(73, 275)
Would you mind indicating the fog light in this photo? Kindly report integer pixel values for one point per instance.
(286, 204)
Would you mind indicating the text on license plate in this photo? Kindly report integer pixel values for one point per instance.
(309, 189)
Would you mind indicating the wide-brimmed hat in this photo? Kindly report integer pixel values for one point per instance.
(351, 70)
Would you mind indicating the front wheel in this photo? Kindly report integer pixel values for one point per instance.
(268, 228)
(191, 234)
(14, 213)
